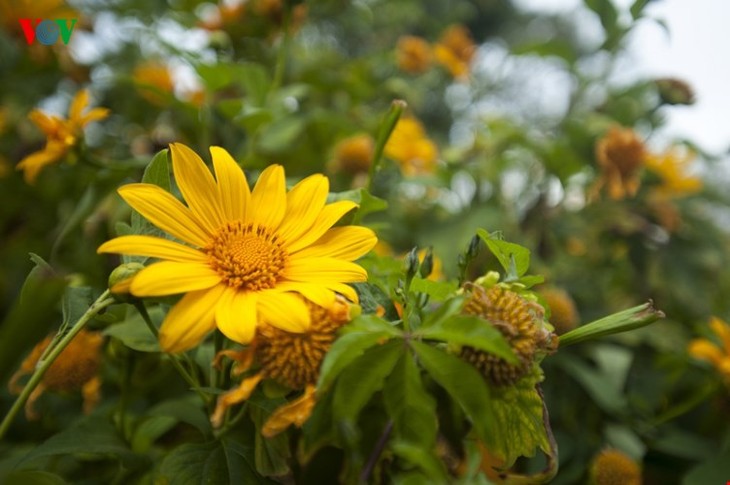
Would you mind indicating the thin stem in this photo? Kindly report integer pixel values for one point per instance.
(377, 451)
(175, 363)
(43, 365)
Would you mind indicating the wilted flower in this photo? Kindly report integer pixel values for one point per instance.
(411, 148)
(521, 324)
(717, 355)
(455, 50)
(154, 82)
(62, 134)
(413, 54)
(291, 359)
(563, 313)
(248, 253)
(620, 154)
(75, 368)
(612, 467)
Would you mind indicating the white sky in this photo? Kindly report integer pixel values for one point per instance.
(695, 51)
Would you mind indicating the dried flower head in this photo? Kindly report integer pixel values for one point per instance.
(75, 368)
(413, 54)
(612, 467)
(518, 320)
(675, 91)
(620, 155)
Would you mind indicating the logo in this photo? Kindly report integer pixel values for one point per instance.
(47, 31)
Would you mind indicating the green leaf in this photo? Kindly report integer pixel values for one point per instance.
(597, 384)
(716, 469)
(362, 378)
(636, 317)
(271, 454)
(410, 407)
(187, 409)
(637, 8)
(32, 315)
(463, 383)
(84, 207)
(437, 290)
(345, 350)
(92, 435)
(281, 134)
(606, 12)
(447, 309)
(514, 258)
(367, 203)
(386, 129)
(76, 301)
(518, 426)
(423, 459)
(149, 431)
(33, 477)
(371, 324)
(472, 331)
(134, 333)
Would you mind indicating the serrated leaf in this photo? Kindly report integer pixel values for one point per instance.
(344, 351)
(362, 378)
(437, 290)
(462, 381)
(92, 435)
(410, 407)
(518, 427)
(472, 331)
(515, 259)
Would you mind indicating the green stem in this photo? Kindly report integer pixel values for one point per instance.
(43, 365)
(386, 129)
(687, 405)
(175, 363)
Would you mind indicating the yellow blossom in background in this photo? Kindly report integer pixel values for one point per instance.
(620, 154)
(154, 82)
(75, 368)
(612, 467)
(455, 50)
(224, 15)
(245, 255)
(291, 359)
(563, 312)
(671, 166)
(411, 148)
(413, 54)
(354, 154)
(62, 134)
(717, 355)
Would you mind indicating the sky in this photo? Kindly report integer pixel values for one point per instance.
(693, 50)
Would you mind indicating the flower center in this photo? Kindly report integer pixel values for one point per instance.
(247, 256)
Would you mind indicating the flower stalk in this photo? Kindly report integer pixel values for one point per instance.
(636, 317)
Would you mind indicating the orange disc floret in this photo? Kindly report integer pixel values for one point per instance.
(612, 467)
(519, 321)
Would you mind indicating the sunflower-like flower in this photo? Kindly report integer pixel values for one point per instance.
(413, 54)
(291, 359)
(717, 355)
(620, 155)
(521, 324)
(455, 50)
(75, 368)
(62, 134)
(613, 467)
(247, 253)
(411, 148)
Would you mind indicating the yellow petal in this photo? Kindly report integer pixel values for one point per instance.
(236, 315)
(324, 270)
(296, 412)
(172, 277)
(304, 202)
(705, 350)
(317, 294)
(722, 330)
(346, 290)
(231, 398)
(152, 247)
(166, 212)
(268, 199)
(94, 114)
(80, 101)
(47, 124)
(286, 311)
(191, 319)
(233, 188)
(197, 186)
(348, 243)
(35, 162)
(330, 214)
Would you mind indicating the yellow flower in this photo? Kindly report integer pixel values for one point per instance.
(671, 166)
(354, 154)
(411, 148)
(413, 54)
(563, 313)
(455, 50)
(717, 355)
(154, 82)
(76, 367)
(620, 155)
(291, 359)
(248, 253)
(612, 467)
(62, 134)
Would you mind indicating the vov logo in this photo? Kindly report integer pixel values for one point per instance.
(47, 31)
